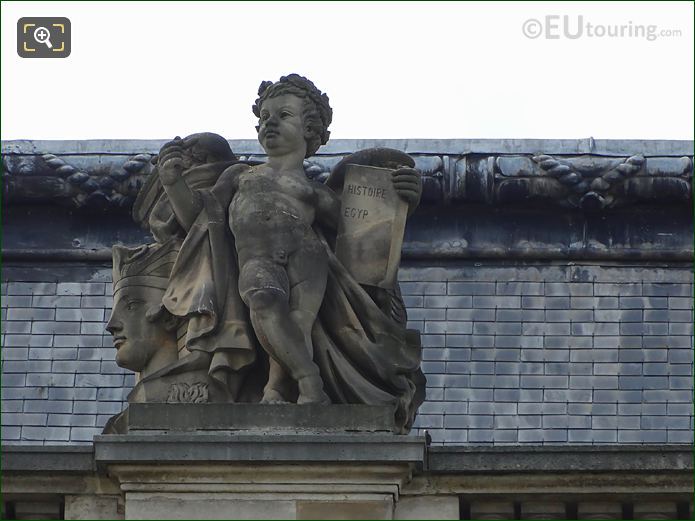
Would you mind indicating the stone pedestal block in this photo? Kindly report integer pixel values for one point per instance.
(257, 506)
(216, 475)
(253, 417)
(261, 491)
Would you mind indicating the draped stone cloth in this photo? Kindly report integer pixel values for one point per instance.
(363, 350)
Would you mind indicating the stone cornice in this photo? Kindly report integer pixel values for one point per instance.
(438, 460)
(589, 175)
(259, 447)
(609, 458)
(601, 147)
(51, 458)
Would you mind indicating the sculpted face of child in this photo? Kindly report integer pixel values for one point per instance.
(281, 125)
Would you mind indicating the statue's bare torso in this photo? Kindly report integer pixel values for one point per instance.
(283, 265)
(272, 213)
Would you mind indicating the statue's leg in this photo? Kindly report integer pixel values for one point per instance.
(265, 289)
(307, 270)
(281, 337)
(276, 390)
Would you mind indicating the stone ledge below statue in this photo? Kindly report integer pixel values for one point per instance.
(251, 418)
(657, 477)
(243, 475)
(175, 448)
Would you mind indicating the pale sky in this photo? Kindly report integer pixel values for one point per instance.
(152, 70)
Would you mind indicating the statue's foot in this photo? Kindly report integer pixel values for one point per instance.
(273, 396)
(311, 391)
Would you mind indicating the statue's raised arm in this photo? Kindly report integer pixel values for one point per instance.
(169, 201)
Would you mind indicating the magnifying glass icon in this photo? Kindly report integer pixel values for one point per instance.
(43, 35)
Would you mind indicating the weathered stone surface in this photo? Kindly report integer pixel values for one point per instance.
(187, 448)
(655, 510)
(536, 459)
(427, 507)
(259, 417)
(599, 510)
(327, 480)
(543, 510)
(292, 493)
(53, 459)
(338, 476)
(144, 505)
(93, 507)
(367, 509)
(481, 509)
(42, 509)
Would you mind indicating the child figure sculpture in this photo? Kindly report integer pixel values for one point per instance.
(283, 265)
(273, 211)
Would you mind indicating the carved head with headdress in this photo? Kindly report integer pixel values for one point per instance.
(142, 328)
(317, 113)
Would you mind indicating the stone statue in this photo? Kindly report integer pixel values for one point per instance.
(264, 309)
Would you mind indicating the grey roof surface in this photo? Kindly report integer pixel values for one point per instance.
(526, 354)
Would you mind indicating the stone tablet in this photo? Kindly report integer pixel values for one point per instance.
(371, 226)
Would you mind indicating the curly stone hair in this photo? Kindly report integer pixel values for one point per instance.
(317, 112)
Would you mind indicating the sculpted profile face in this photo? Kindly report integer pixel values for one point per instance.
(137, 326)
(144, 333)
